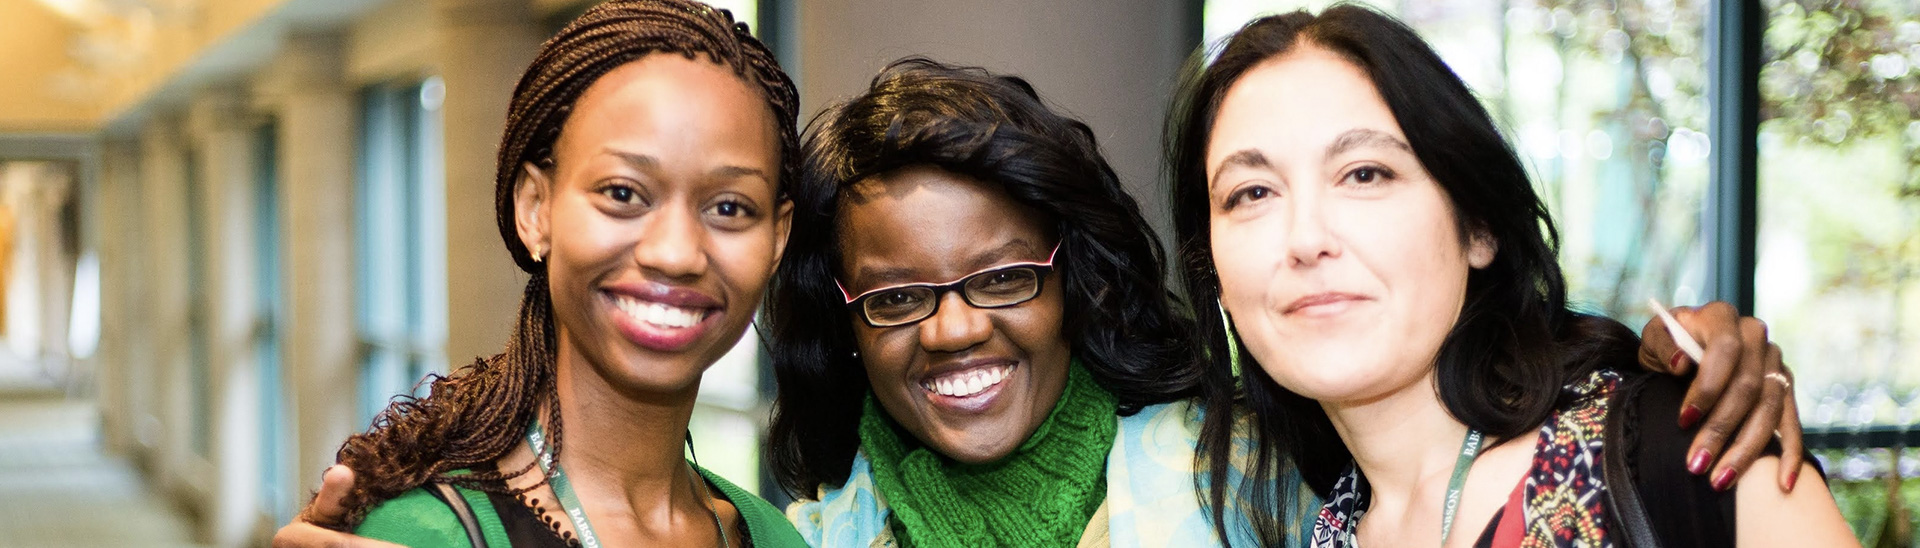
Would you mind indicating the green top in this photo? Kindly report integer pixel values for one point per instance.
(416, 518)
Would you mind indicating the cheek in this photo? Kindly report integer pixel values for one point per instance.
(1413, 246)
(884, 353)
(581, 235)
(746, 261)
(1245, 257)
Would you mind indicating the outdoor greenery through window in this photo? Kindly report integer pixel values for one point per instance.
(1608, 103)
(1838, 274)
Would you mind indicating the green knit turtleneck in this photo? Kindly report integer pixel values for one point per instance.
(1043, 494)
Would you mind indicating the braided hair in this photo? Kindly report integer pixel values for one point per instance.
(475, 416)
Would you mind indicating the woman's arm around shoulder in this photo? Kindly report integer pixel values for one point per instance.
(415, 518)
(1807, 516)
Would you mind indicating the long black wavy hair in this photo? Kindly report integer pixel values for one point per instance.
(1516, 342)
(1121, 318)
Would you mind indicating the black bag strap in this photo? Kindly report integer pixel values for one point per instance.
(1632, 527)
(463, 511)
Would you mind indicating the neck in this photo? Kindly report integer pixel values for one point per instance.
(1405, 443)
(621, 445)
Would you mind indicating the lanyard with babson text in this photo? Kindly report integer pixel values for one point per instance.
(1469, 449)
(562, 489)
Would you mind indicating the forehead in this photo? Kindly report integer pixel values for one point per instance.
(1298, 103)
(668, 101)
(924, 222)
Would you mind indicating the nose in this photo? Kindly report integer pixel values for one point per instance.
(1309, 237)
(955, 326)
(672, 243)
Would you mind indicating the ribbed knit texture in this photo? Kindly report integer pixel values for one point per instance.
(1042, 494)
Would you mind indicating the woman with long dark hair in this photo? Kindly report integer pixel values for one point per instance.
(1351, 217)
(641, 184)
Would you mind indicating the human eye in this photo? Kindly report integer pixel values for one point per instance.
(732, 213)
(1246, 195)
(622, 193)
(1018, 280)
(894, 301)
(1369, 175)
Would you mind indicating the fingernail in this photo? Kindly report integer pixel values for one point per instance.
(1673, 363)
(1689, 416)
(1701, 459)
(1792, 479)
(1724, 481)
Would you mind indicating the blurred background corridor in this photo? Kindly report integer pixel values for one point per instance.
(232, 230)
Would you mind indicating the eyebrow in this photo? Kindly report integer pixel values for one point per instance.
(892, 275)
(645, 162)
(1356, 138)
(1246, 158)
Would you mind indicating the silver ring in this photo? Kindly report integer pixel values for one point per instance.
(1781, 378)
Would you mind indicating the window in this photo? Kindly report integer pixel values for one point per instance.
(401, 241)
(277, 487)
(1838, 252)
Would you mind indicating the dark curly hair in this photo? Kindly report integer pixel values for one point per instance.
(1121, 319)
(1516, 341)
(477, 415)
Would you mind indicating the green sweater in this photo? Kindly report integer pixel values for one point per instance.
(417, 518)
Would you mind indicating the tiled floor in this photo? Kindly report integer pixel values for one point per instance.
(57, 490)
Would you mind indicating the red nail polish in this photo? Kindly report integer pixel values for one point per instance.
(1793, 478)
(1673, 363)
(1690, 416)
(1700, 461)
(1724, 481)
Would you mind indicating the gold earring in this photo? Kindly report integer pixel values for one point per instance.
(539, 253)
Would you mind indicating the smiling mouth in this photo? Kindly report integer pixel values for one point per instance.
(660, 314)
(968, 383)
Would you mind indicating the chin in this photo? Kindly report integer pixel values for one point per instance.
(660, 374)
(977, 451)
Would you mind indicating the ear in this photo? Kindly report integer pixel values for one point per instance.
(1481, 248)
(782, 227)
(530, 194)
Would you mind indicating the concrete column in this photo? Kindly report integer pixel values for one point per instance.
(1111, 63)
(120, 357)
(317, 125)
(222, 133)
(55, 261)
(166, 427)
(482, 47)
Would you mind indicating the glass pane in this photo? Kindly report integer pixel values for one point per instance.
(728, 443)
(384, 375)
(275, 448)
(733, 382)
(1605, 101)
(1838, 275)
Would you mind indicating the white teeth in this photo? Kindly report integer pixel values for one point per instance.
(967, 383)
(659, 314)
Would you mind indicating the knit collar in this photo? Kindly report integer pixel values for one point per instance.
(1043, 494)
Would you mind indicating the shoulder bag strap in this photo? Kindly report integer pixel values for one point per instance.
(1631, 527)
(463, 511)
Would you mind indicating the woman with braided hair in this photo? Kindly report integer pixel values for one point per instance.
(641, 185)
